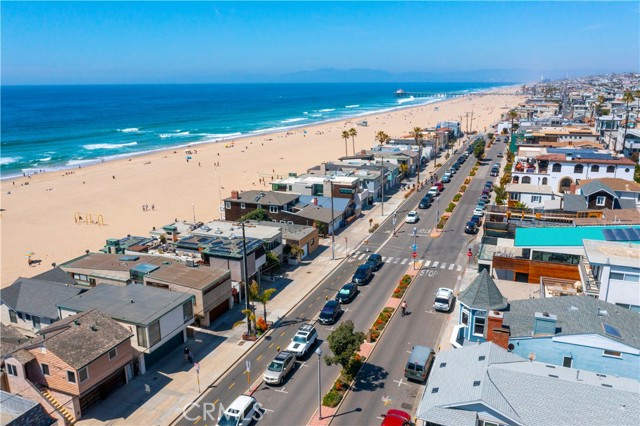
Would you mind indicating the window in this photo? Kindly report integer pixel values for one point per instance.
(627, 170)
(613, 354)
(27, 317)
(113, 353)
(36, 322)
(12, 370)
(142, 336)
(83, 374)
(567, 361)
(526, 179)
(273, 209)
(80, 277)
(259, 207)
(242, 206)
(611, 169)
(600, 200)
(45, 369)
(544, 181)
(515, 196)
(71, 377)
(346, 191)
(556, 168)
(478, 326)
(227, 205)
(565, 184)
(624, 277)
(12, 316)
(595, 168)
(154, 333)
(516, 179)
(465, 317)
(536, 198)
(187, 311)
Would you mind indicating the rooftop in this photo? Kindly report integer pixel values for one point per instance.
(220, 246)
(474, 377)
(10, 339)
(37, 297)
(564, 236)
(289, 231)
(483, 293)
(529, 189)
(272, 198)
(80, 339)
(234, 230)
(135, 304)
(15, 406)
(617, 184)
(614, 253)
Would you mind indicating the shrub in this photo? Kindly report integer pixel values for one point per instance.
(450, 208)
(442, 222)
(467, 181)
(261, 324)
(463, 188)
(473, 173)
(332, 398)
(374, 227)
(438, 165)
(457, 197)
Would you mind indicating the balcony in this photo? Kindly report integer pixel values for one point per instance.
(591, 286)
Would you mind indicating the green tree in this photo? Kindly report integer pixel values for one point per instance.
(251, 318)
(261, 295)
(521, 206)
(627, 98)
(417, 135)
(272, 263)
(296, 251)
(512, 115)
(353, 133)
(344, 343)
(321, 227)
(382, 138)
(478, 150)
(345, 136)
(257, 214)
(636, 174)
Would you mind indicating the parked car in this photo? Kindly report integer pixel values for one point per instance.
(330, 312)
(439, 186)
(433, 191)
(241, 412)
(279, 368)
(425, 202)
(412, 216)
(363, 274)
(471, 227)
(347, 293)
(303, 340)
(500, 155)
(477, 219)
(455, 166)
(488, 184)
(485, 197)
(395, 417)
(452, 171)
(418, 364)
(481, 204)
(446, 178)
(444, 298)
(486, 191)
(478, 212)
(375, 260)
(495, 171)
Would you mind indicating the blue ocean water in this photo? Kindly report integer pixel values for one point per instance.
(57, 127)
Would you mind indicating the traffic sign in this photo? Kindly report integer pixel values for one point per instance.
(415, 254)
(469, 254)
(195, 364)
(414, 247)
(248, 365)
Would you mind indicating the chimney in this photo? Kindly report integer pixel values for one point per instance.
(544, 324)
(314, 201)
(572, 188)
(323, 169)
(496, 333)
(234, 195)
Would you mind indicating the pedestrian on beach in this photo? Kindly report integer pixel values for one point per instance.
(153, 206)
(143, 207)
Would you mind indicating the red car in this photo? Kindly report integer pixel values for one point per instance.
(439, 185)
(396, 418)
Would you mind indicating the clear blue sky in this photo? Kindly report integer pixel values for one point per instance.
(145, 42)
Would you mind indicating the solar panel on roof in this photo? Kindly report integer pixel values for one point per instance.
(612, 331)
(621, 234)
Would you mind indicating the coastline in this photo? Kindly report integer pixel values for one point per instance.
(38, 215)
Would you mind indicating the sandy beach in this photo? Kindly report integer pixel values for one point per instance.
(39, 214)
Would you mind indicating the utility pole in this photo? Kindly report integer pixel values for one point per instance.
(245, 278)
(466, 114)
(333, 238)
(471, 120)
(382, 178)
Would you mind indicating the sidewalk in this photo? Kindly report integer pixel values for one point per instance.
(159, 396)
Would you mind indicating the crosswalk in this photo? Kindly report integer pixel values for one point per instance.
(426, 263)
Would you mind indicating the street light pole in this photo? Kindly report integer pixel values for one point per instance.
(244, 277)
(193, 207)
(437, 211)
(415, 244)
(319, 353)
(333, 239)
(382, 162)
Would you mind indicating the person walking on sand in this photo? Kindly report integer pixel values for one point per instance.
(153, 206)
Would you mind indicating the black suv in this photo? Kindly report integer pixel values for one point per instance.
(471, 227)
(347, 293)
(363, 274)
(375, 260)
(330, 312)
(425, 202)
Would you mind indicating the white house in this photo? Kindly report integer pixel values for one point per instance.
(614, 268)
(534, 196)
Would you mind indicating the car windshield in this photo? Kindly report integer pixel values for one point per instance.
(275, 366)
(345, 291)
(442, 300)
(299, 339)
(228, 420)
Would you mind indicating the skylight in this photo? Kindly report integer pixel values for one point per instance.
(612, 331)
(476, 383)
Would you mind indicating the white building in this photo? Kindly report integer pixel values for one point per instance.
(615, 268)
(534, 196)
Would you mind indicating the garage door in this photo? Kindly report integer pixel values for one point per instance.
(218, 310)
(103, 390)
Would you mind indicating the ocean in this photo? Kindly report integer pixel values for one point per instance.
(61, 127)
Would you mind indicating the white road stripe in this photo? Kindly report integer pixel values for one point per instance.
(426, 263)
(395, 262)
(361, 256)
(435, 264)
(451, 266)
(459, 268)
(404, 261)
(384, 259)
(443, 265)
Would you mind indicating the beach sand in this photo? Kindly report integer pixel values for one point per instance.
(39, 215)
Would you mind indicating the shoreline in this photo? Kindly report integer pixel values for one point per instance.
(38, 214)
(240, 136)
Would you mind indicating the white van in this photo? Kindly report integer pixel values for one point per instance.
(241, 412)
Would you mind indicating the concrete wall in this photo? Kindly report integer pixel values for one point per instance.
(548, 351)
(617, 291)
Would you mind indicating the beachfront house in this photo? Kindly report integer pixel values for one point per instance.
(271, 237)
(129, 243)
(156, 319)
(631, 144)
(626, 192)
(210, 285)
(610, 271)
(336, 185)
(561, 169)
(72, 365)
(486, 385)
(274, 204)
(534, 196)
(305, 237)
(30, 304)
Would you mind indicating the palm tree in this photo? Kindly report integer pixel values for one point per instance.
(382, 138)
(353, 133)
(601, 101)
(627, 98)
(345, 136)
(260, 295)
(512, 115)
(416, 134)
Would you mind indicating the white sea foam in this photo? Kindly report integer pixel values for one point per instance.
(293, 120)
(405, 100)
(352, 106)
(130, 130)
(315, 115)
(174, 135)
(9, 160)
(93, 146)
(81, 162)
(306, 112)
(326, 110)
(45, 159)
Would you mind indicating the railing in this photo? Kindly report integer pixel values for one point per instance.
(591, 284)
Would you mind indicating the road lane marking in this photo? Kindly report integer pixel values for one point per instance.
(271, 345)
(259, 356)
(404, 261)
(384, 259)
(281, 390)
(395, 262)
(459, 268)
(310, 305)
(361, 256)
(451, 266)
(435, 264)
(282, 334)
(216, 401)
(427, 263)
(400, 382)
(389, 259)
(232, 385)
(197, 420)
(443, 265)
